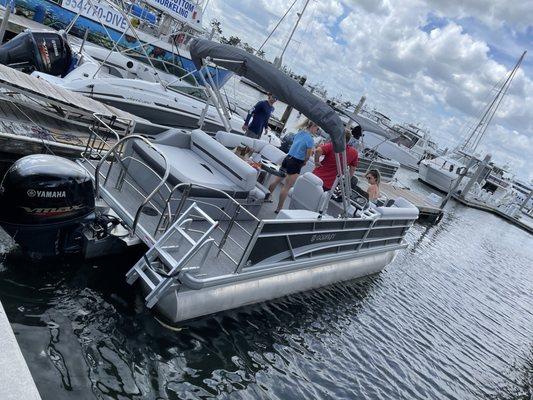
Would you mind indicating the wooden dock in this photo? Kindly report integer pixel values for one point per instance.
(428, 210)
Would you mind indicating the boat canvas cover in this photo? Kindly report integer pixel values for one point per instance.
(273, 80)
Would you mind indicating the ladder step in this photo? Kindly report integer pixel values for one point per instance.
(186, 236)
(167, 258)
(147, 280)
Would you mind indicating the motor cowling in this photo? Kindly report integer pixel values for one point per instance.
(47, 52)
(44, 199)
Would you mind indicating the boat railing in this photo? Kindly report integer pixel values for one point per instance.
(116, 156)
(103, 135)
(230, 213)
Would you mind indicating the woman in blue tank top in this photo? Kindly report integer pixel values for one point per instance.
(300, 151)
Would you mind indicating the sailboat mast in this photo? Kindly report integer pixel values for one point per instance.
(279, 60)
(478, 132)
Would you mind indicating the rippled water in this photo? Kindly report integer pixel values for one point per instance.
(451, 317)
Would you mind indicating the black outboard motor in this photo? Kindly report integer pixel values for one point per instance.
(47, 52)
(45, 201)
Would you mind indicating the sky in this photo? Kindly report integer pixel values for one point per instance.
(430, 62)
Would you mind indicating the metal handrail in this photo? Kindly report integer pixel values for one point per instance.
(156, 189)
(191, 185)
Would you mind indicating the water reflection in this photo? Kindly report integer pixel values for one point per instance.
(449, 318)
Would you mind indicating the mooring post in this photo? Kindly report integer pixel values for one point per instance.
(478, 175)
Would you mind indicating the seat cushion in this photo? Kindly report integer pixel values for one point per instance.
(272, 153)
(229, 139)
(300, 214)
(187, 167)
(224, 161)
(307, 193)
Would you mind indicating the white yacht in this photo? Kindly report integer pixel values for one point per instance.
(409, 145)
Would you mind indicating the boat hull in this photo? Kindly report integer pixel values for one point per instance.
(437, 178)
(391, 150)
(183, 304)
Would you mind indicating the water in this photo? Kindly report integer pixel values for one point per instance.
(450, 318)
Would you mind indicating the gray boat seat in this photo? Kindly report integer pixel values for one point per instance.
(401, 209)
(272, 153)
(301, 214)
(233, 140)
(205, 162)
(308, 193)
(262, 147)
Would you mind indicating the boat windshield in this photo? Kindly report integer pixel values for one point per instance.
(166, 66)
(194, 91)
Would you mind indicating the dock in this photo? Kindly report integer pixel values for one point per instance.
(428, 211)
(525, 222)
(16, 382)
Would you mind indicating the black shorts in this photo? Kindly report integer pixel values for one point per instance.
(252, 134)
(292, 165)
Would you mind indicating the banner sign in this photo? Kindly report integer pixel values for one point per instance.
(182, 10)
(97, 11)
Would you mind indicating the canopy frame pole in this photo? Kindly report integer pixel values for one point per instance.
(211, 97)
(341, 180)
(226, 117)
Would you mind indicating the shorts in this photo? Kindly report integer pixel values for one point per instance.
(292, 165)
(252, 134)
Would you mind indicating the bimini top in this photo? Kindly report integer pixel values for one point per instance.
(273, 80)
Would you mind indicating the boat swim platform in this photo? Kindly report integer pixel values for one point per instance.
(428, 211)
(525, 222)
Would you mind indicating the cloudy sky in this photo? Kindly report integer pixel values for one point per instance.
(429, 62)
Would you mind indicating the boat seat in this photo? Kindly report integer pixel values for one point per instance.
(262, 147)
(401, 209)
(272, 153)
(206, 162)
(308, 193)
(301, 214)
(233, 140)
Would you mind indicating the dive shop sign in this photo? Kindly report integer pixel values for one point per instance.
(182, 10)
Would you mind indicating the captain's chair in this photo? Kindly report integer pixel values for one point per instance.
(307, 193)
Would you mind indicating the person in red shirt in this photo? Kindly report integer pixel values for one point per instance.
(327, 168)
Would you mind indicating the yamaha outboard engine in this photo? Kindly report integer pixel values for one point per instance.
(47, 52)
(45, 201)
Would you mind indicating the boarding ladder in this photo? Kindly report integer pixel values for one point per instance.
(161, 265)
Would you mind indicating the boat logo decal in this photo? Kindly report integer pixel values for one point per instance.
(321, 237)
(48, 194)
(51, 210)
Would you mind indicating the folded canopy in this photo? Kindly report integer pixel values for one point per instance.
(272, 79)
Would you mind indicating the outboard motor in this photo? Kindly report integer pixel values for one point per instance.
(47, 52)
(45, 201)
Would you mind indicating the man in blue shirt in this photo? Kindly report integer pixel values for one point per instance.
(259, 115)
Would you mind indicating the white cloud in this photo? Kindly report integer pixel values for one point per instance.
(441, 77)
